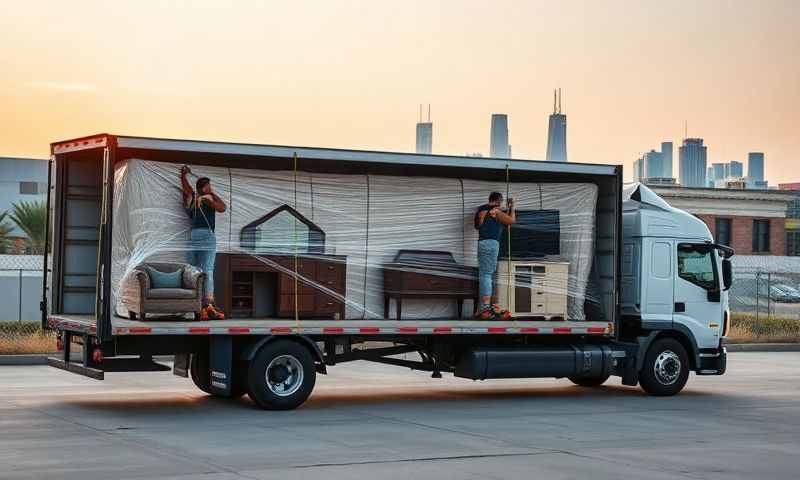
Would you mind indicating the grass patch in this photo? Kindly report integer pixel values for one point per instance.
(746, 328)
(25, 337)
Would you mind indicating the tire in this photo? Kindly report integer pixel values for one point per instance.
(291, 372)
(666, 368)
(589, 381)
(200, 374)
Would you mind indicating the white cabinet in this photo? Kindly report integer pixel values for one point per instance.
(533, 288)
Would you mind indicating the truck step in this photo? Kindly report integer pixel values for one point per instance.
(113, 364)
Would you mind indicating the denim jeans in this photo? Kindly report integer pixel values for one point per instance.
(202, 254)
(487, 265)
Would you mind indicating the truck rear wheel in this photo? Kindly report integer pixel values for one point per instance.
(589, 381)
(666, 368)
(281, 376)
(200, 373)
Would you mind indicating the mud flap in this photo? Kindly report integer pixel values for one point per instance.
(180, 365)
(220, 364)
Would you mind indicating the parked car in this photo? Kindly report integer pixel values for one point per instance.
(784, 294)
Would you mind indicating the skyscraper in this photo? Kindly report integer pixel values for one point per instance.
(498, 143)
(718, 172)
(638, 170)
(424, 133)
(666, 159)
(755, 167)
(557, 132)
(692, 163)
(653, 165)
(737, 169)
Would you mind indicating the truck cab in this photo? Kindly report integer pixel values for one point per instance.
(674, 281)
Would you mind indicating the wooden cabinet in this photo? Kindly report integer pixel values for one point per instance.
(319, 285)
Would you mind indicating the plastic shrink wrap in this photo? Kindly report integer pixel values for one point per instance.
(325, 245)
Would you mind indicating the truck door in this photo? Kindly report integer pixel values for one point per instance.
(697, 294)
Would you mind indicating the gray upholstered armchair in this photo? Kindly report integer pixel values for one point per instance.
(141, 299)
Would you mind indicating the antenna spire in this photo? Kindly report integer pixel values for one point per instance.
(555, 99)
(429, 113)
(559, 100)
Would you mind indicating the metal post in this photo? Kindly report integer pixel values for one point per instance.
(19, 307)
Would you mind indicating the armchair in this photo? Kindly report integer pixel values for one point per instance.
(141, 298)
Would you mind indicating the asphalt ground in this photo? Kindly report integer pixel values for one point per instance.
(375, 421)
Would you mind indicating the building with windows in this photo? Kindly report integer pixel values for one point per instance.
(792, 219)
(21, 179)
(751, 221)
(692, 163)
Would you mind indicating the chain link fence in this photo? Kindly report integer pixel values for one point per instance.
(20, 317)
(765, 298)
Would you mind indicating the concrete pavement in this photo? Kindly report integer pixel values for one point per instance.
(375, 421)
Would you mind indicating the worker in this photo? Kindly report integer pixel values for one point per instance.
(202, 206)
(489, 221)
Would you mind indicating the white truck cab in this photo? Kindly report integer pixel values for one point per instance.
(674, 278)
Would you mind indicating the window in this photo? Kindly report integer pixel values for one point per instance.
(283, 230)
(760, 236)
(696, 264)
(722, 228)
(28, 188)
(793, 243)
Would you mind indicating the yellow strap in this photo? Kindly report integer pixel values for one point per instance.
(508, 253)
(296, 289)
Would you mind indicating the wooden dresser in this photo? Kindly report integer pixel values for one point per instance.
(427, 274)
(264, 285)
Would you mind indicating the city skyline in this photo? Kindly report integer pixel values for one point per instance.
(303, 74)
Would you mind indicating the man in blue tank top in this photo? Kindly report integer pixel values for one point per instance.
(489, 221)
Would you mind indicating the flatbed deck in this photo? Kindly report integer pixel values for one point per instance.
(275, 326)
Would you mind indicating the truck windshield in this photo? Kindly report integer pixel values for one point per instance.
(696, 265)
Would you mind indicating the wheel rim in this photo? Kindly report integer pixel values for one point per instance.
(284, 375)
(667, 368)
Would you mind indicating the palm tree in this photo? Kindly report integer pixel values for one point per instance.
(5, 229)
(31, 218)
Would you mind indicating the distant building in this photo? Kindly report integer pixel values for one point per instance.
(498, 143)
(424, 133)
(424, 137)
(750, 221)
(638, 170)
(653, 165)
(557, 132)
(660, 181)
(21, 179)
(666, 159)
(735, 169)
(692, 163)
(718, 172)
(755, 166)
(792, 219)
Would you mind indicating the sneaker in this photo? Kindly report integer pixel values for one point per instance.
(501, 313)
(485, 314)
(213, 313)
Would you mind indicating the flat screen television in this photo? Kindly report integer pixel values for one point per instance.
(537, 233)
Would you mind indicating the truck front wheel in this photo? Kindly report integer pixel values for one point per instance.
(666, 368)
(281, 376)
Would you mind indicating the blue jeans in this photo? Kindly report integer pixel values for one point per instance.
(487, 265)
(202, 254)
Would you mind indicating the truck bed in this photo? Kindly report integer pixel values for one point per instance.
(274, 326)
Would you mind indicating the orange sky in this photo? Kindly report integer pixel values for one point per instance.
(352, 74)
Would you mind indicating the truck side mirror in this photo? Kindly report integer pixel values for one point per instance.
(727, 274)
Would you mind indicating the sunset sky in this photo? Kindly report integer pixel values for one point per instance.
(352, 74)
